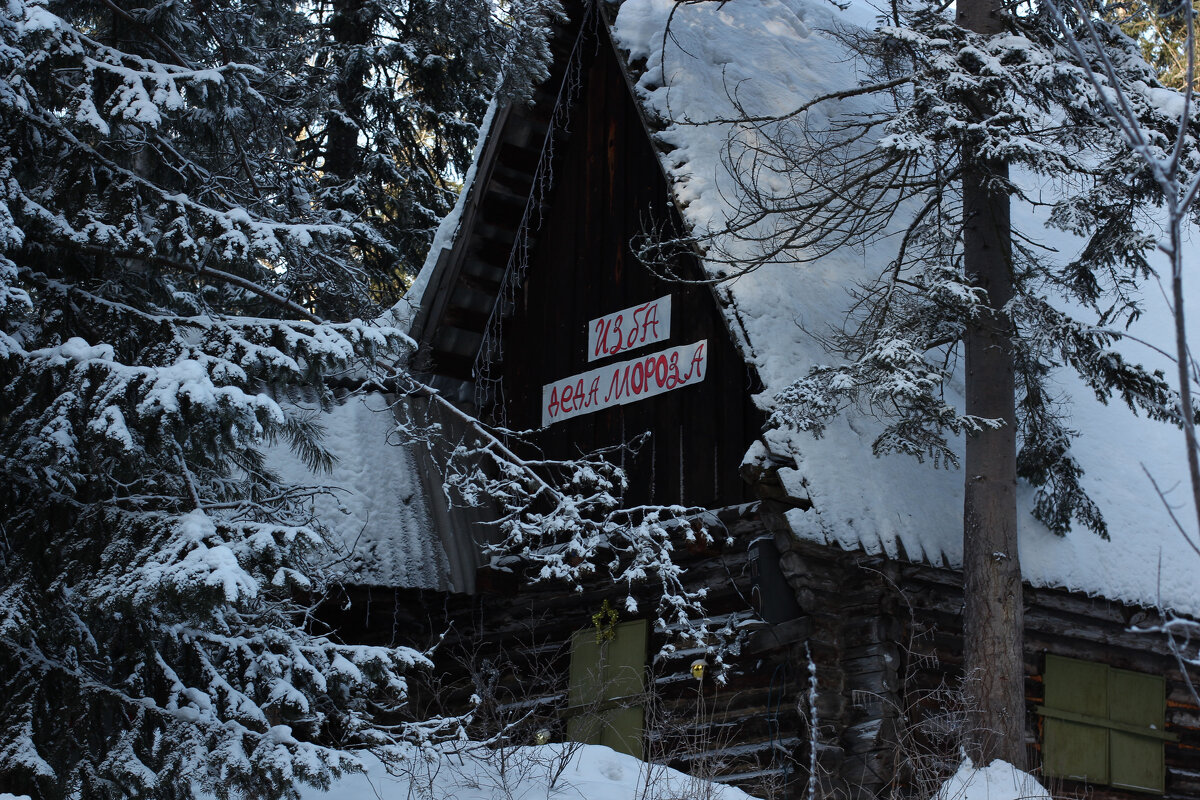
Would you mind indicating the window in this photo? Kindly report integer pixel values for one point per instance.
(608, 678)
(1104, 725)
(776, 600)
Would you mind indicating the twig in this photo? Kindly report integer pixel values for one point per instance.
(210, 272)
(845, 94)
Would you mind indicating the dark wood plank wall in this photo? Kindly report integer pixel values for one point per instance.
(511, 646)
(887, 636)
(607, 186)
(1066, 624)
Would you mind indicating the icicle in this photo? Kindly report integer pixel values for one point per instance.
(812, 723)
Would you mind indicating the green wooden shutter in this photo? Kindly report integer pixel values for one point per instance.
(1136, 761)
(1076, 749)
(1104, 725)
(586, 687)
(607, 680)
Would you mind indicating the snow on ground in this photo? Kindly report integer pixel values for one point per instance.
(777, 54)
(595, 772)
(549, 772)
(377, 509)
(997, 781)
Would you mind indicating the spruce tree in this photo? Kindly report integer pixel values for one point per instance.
(1160, 29)
(172, 239)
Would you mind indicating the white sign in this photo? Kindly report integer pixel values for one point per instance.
(630, 328)
(624, 382)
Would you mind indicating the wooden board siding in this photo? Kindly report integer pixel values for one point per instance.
(607, 186)
(895, 633)
(512, 648)
(884, 637)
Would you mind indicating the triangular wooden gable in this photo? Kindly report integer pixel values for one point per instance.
(544, 249)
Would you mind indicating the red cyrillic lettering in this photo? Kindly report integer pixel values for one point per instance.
(697, 365)
(632, 337)
(660, 370)
(601, 337)
(651, 321)
(620, 386)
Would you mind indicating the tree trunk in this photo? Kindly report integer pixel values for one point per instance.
(993, 621)
(351, 25)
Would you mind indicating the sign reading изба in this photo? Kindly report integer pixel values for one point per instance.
(624, 382)
(630, 328)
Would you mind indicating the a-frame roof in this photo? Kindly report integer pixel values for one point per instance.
(454, 296)
(774, 55)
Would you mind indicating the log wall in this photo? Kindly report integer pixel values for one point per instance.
(882, 637)
(510, 644)
(896, 666)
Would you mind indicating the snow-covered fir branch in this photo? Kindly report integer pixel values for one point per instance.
(889, 163)
(188, 193)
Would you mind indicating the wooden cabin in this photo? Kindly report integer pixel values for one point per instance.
(534, 313)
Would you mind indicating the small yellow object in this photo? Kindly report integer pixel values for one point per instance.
(698, 669)
(542, 736)
(605, 620)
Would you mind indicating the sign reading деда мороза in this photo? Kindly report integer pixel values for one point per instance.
(626, 381)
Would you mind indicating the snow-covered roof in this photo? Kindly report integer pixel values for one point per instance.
(376, 508)
(775, 55)
(403, 312)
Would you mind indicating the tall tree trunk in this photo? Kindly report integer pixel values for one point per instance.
(993, 622)
(351, 25)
